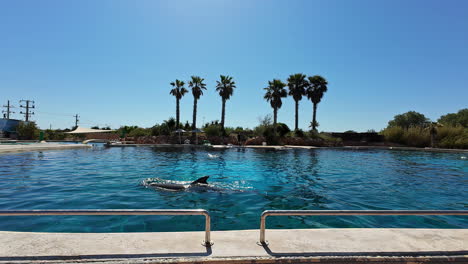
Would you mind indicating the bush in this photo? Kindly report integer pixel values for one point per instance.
(329, 138)
(54, 135)
(313, 134)
(417, 137)
(265, 124)
(139, 132)
(394, 134)
(160, 130)
(269, 134)
(213, 130)
(452, 137)
(125, 130)
(299, 133)
(27, 130)
(282, 129)
(445, 137)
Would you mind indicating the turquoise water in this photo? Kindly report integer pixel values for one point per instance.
(248, 181)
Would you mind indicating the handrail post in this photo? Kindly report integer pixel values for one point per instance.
(263, 226)
(207, 241)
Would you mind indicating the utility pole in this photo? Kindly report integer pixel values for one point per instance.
(8, 111)
(76, 120)
(29, 105)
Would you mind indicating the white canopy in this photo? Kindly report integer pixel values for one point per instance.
(84, 130)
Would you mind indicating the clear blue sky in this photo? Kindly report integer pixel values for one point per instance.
(112, 61)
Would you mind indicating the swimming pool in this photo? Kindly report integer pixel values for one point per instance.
(248, 181)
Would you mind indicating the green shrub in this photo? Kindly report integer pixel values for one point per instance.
(213, 130)
(329, 138)
(394, 134)
(445, 136)
(452, 137)
(417, 137)
(125, 130)
(299, 133)
(27, 130)
(139, 132)
(50, 134)
(313, 134)
(449, 131)
(282, 129)
(160, 130)
(265, 124)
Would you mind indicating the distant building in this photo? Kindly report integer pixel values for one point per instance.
(8, 127)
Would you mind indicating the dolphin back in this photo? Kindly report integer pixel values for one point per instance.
(169, 186)
(201, 180)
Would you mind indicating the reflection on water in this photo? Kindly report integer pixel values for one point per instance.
(247, 182)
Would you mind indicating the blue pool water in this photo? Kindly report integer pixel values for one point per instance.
(249, 181)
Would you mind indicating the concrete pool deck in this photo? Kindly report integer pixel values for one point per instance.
(285, 246)
(8, 148)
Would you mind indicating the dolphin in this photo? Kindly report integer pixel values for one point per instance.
(200, 182)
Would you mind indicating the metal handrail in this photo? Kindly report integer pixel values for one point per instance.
(350, 212)
(206, 242)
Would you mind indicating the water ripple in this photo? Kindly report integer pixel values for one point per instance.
(247, 182)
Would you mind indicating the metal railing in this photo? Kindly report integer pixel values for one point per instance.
(349, 212)
(206, 242)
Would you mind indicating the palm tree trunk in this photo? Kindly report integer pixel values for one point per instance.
(314, 121)
(297, 116)
(194, 124)
(222, 114)
(177, 113)
(275, 116)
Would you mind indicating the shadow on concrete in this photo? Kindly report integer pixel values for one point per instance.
(361, 254)
(109, 256)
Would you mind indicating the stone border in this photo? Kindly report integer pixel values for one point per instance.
(6, 148)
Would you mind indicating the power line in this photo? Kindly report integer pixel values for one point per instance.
(8, 111)
(29, 105)
(56, 114)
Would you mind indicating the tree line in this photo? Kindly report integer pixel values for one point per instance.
(314, 87)
(415, 129)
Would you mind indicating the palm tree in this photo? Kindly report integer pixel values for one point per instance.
(274, 92)
(178, 91)
(297, 84)
(197, 86)
(317, 87)
(225, 88)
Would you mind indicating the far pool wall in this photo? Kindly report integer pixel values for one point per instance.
(359, 137)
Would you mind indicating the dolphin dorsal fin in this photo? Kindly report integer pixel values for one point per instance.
(201, 180)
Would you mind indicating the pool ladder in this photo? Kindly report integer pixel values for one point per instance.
(207, 242)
